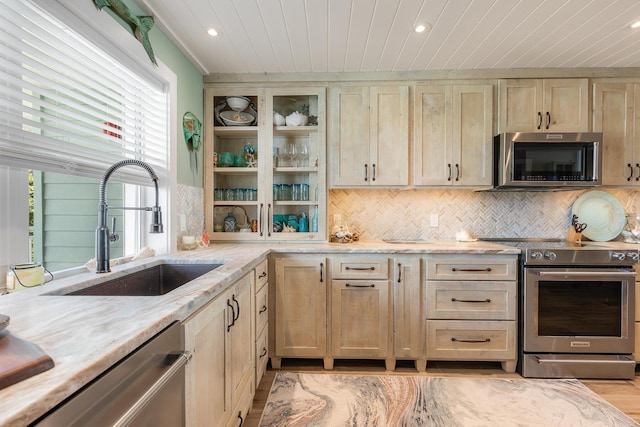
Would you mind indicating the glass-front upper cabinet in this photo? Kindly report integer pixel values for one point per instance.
(265, 164)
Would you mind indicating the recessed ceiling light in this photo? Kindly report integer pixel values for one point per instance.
(635, 24)
(213, 32)
(421, 28)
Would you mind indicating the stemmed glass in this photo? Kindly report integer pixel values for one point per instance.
(292, 152)
(303, 156)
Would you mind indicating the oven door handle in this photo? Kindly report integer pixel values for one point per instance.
(181, 360)
(585, 273)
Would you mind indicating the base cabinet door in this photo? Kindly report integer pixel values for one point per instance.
(220, 377)
(242, 346)
(360, 318)
(407, 308)
(208, 383)
(300, 307)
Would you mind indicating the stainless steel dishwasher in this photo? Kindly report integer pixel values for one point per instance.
(147, 388)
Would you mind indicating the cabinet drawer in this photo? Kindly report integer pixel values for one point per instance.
(471, 340)
(465, 267)
(262, 355)
(261, 274)
(261, 308)
(471, 300)
(360, 268)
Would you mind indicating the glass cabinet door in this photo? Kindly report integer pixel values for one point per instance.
(298, 190)
(265, 174)
(234, 141)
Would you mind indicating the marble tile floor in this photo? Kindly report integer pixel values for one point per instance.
(623, 394)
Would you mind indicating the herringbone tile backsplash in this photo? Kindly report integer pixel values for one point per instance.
(404, 214)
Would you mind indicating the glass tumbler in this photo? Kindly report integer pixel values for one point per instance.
(230, 194)
(304, 192)
(296, 192)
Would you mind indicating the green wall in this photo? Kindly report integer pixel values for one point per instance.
(190, 96)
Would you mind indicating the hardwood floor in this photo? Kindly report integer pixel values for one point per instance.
(623, 394)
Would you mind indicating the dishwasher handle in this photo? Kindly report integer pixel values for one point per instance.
(181, 360)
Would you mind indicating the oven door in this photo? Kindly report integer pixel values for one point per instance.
(579, 310)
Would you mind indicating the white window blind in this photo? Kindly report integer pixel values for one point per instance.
(68, 107)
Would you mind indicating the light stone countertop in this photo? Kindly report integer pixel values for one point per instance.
(85, 335)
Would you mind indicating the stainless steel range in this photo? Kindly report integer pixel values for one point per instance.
(577, 307)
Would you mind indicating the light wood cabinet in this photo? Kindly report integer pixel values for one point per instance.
(453, 135)
(408, 314)
(369, 136)
(471, 306)
(220, 377)
(637, 349)
(616, 113)
(543, 105)
(261, 315)
(262, 190)
(300, 326)
(360, 308)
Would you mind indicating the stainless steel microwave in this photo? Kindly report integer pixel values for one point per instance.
(558, 160)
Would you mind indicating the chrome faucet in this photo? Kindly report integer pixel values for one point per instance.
(103, 236)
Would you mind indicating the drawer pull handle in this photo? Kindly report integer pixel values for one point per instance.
(264, 352)
(372, 268)
(263, 274)
(263, 309)
(471, 269)
(454, 339)
(349, 285)
(470, 300)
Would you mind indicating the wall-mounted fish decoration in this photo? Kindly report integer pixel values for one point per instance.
(140, 25)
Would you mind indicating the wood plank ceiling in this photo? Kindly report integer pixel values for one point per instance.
(284, 36)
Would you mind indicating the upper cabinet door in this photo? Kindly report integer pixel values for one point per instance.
(473, 135)
(389, 135)
(433, 126)
(566, 105)
(453, 135)
(369, 136)
(613, 115)
(544, 105)
(520, 108)
(349, 133)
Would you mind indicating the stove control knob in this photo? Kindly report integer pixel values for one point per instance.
(551, 256)
(633, 256)
(618, 256)
(536, 255)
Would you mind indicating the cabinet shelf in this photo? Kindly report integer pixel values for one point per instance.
(295, 203)
(236, 171)
(236, 131)
(294, 130)
(310, 169)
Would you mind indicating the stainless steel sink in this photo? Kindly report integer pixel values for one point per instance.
(157, 280)
(407, 241)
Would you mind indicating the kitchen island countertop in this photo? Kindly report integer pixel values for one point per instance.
(86, 335)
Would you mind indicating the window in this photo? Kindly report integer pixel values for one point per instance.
(68, 111)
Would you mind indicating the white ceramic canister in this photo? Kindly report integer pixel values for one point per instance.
(25, 275)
